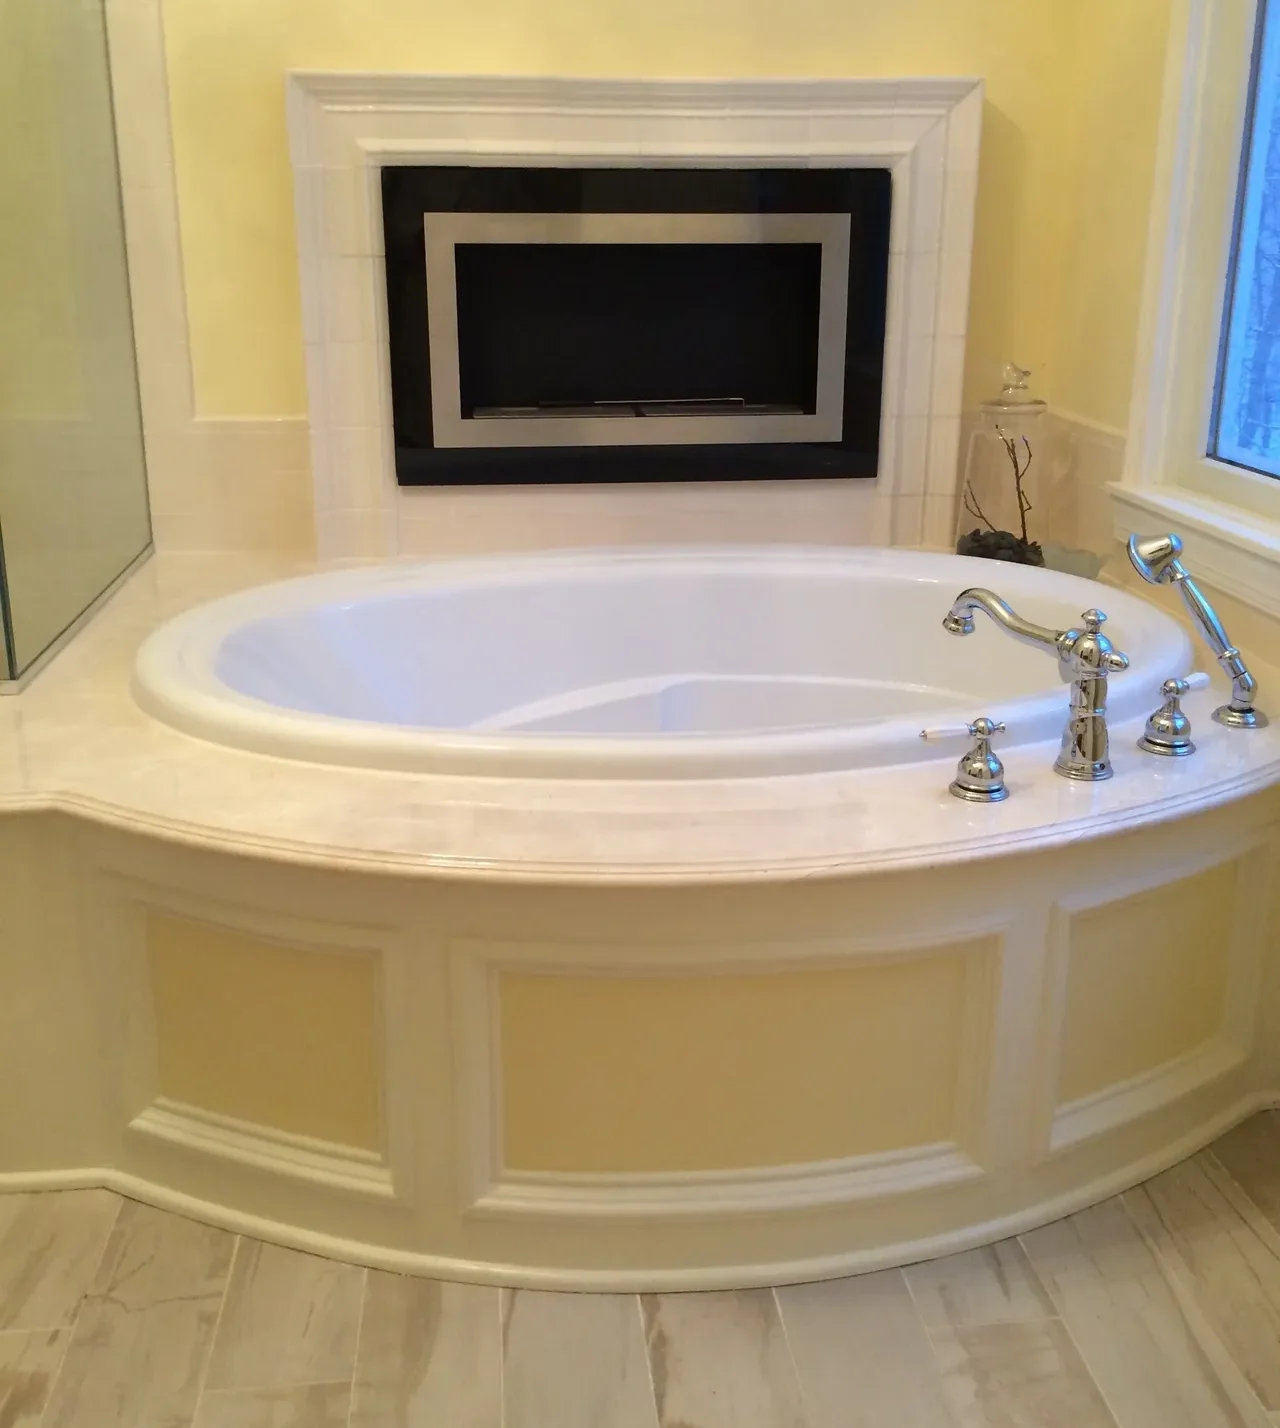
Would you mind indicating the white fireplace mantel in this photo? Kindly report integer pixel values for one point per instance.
(344, 128)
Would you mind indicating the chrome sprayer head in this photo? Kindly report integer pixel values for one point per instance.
(1155, 558)
(958, 624)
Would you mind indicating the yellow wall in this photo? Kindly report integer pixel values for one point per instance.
(1115, 89)
(1058, 76)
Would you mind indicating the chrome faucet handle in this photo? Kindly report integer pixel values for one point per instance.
(1168, 730)
(979, 774)
(1158, 560)
(1088, 653)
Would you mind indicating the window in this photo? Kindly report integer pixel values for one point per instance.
(1246, 420)
(1203, 451)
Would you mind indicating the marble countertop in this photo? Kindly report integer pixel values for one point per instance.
(75, 740)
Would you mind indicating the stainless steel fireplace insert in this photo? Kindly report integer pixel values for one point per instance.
(554, 325)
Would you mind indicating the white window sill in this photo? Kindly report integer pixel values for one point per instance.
(1233, 549)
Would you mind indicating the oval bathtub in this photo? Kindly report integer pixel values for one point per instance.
(653, 1030)
(671, 663)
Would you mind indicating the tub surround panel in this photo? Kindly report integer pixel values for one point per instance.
(982, 1087)
(1146, 979)
(869, 1057)
(591, 1067)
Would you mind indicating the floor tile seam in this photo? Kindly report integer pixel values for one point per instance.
(791, 1356)
(70, 1327)
(217, 1325)
(355, 1353)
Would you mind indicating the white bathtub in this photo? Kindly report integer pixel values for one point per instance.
(654, 663)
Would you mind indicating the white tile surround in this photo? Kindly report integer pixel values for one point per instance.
(243, 484)
(343, 128)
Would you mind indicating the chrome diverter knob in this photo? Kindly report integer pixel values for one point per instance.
(1168, 730)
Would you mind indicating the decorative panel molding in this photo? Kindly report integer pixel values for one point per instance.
(264, 1032)
(256, 1037)
(586, 1070)
(259, 1147)
(1153, 987)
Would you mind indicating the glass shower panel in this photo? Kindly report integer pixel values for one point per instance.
(73, 493)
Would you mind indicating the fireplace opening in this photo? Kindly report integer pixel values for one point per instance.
(559, 325)
(637, 330)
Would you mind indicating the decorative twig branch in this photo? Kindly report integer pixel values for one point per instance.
(1020, 469)
(971, 505)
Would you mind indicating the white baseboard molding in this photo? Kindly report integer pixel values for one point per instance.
(658, 1279)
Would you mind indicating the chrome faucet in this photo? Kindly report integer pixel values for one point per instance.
(1085, 658)
(1156, 559)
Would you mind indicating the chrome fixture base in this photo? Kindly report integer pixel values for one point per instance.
(1235, 718)
(1168, 751)
(1092, 772)
(979, 774)
(1157, 560)
(993, 794)
(1085, 658)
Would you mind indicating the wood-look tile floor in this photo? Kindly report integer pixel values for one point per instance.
(1157, 1309)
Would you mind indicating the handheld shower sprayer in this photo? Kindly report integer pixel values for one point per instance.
(1158, 559)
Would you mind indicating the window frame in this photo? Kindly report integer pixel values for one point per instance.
(1229, 516)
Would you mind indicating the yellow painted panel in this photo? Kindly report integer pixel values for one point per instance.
(1146, 980)
(282, 1036)
(709, 1072)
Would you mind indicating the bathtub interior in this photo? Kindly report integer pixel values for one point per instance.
(624, 649)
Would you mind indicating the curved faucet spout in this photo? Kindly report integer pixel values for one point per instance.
(1085, 658)
(959, 620)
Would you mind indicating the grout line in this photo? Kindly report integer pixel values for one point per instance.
(278, 1387)
(915, 1304)
(1089, 1373)
(791, 1355)
(1055, 1318)
(997, 1323)
(502, 1356)
(355, 1357)
(939, 1372)
(648, 1362)
(217, 1329)
(75, 1318)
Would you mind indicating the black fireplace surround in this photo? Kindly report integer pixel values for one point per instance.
(571, 326)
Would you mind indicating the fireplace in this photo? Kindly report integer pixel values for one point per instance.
(533, 196)
(553, 325)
